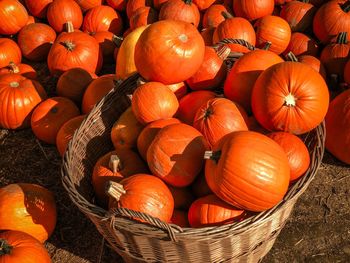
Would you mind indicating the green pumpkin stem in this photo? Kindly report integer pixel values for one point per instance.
(223, 52)
(211, 155)
(115, 163)
(5, 247)
(13, 67)
(114, 190)
(188, 2)
(291, 57)
(117, 40)
(342, 38)
(226, 15)
(346, 6)
(267, 45)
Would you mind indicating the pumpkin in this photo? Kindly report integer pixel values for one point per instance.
(96, 90)
(200, 187)
(38, 8)
(347, 72)
(212, 72)
(183, 197)
(273, 29)
(126, 130)
(338, 127)
(179, 162)
(240, 80)
(204, 4)
(236, 28)
(291, 97)
(49, 116)
(331, 19)
(335, 55)
(108, 42)
(189, 104)
(73, 83)
(66, 132)
(179, 89)
(213, 16)
(212, 211)
(297, 152)
(282, 2)
(169, 51)
(157, 4)
(301, 44)
(22, 69)
(248, 170)
(153, 101)
(311, 61)
(125, 62)
(180, 10)
(74, 50)
(143, 193)
(72, 13)
(13, 16)
(88, 4)
(31, 20)
(17, 246)
(133, 5)
(35, 41)
(114, 166)
(207, 35)
(18, 98)
(9, 52)
(148, 134)
(318, 3)
(29, 208)
(218, 117)
(253, 10)
(143, 16)
(102, 18)
(119, 5)
(299, 15)
(180, 218)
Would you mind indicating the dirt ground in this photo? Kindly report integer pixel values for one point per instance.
(317, 231)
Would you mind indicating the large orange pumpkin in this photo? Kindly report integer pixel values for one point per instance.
(253, 9)
(169, 51)
(290, 96)
(13, 17)
(301, 44)
(9, 52)
(29, 208)
(176, 154)
(248, 170)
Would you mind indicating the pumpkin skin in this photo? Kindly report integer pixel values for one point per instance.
(148, 134)
(9, 52)
(291, 97)
(38, 8)
(108, 42)
(169, 51)
(203, 4)
(147, 194)
(133, 5)
(338, 127)
(96, 90)
(330, 19)
(119, 5)
(66, 132)
(244, 174)
(17, 246)
(180, 10)
(73, 83)
(213, 16)
(35, 41)
(18, 98)
(313, 62)
(207, 35)
(125, 63)
(183, 197)
(129, 163)
(301, 44)
(180, 218)
(212, 211)
(240, 80)
(143, 16)
(31, 208)
(88, 4)
(74, 50)
(153, 101)
(157, 4)
(102, 18)
(13, 16)
(189, 104)
(253, 10)
(72, 13)
(180, 162)
(273, 29)
(218, 117)
(22, 69)
(200, 187)
(126, 130)
(297, 152)
(179, 89)
(299, 15)
(31, 20)
(49, 116)
(347, 72)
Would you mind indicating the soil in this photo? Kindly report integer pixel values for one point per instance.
(317, 231)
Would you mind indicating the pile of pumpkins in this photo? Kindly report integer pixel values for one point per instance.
(202, 144)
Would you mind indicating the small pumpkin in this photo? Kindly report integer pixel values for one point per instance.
(9, 52)
(311, 61)
(213, 16)
(119, 5)
(29, 208)
(143, 193)
(108, 42)
(183, 197)
(301, 44)
(204, 4)
(13, 17)
(253, 9)
(49, 116)
(133, 5)
(179, 162)
(143, 16)
(180, 218)
(22, 69)
(38, 8)
(180, 10)
(88, 4)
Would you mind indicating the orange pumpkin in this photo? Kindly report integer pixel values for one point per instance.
(38, 8)
(9, 52)
(143, 16)
(301, 44)
(180, 218)
(183, 197)
(22, 69)
(253, 9)
(133, 5)
(88, 4)
(313, 62)
(179, 89)
(29, 208)
(13, 17)
(213, 16)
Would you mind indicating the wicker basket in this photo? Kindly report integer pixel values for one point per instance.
(246, 241)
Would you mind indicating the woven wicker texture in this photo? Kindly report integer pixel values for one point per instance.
(246, 241)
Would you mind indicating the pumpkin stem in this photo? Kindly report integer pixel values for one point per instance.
(13, 67)
(188, 2)
(140, 81)
(342, 38)
(290, 100)
(223, 52)
(210, 155)
(5, 247)
(14, 84)
(68, 45)
(291, 57)
(115, 163)
(226, 15)
(117, 40)
(115, 190)
(267, 45)
(346, 6)
(69, 27)
(207, 114)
